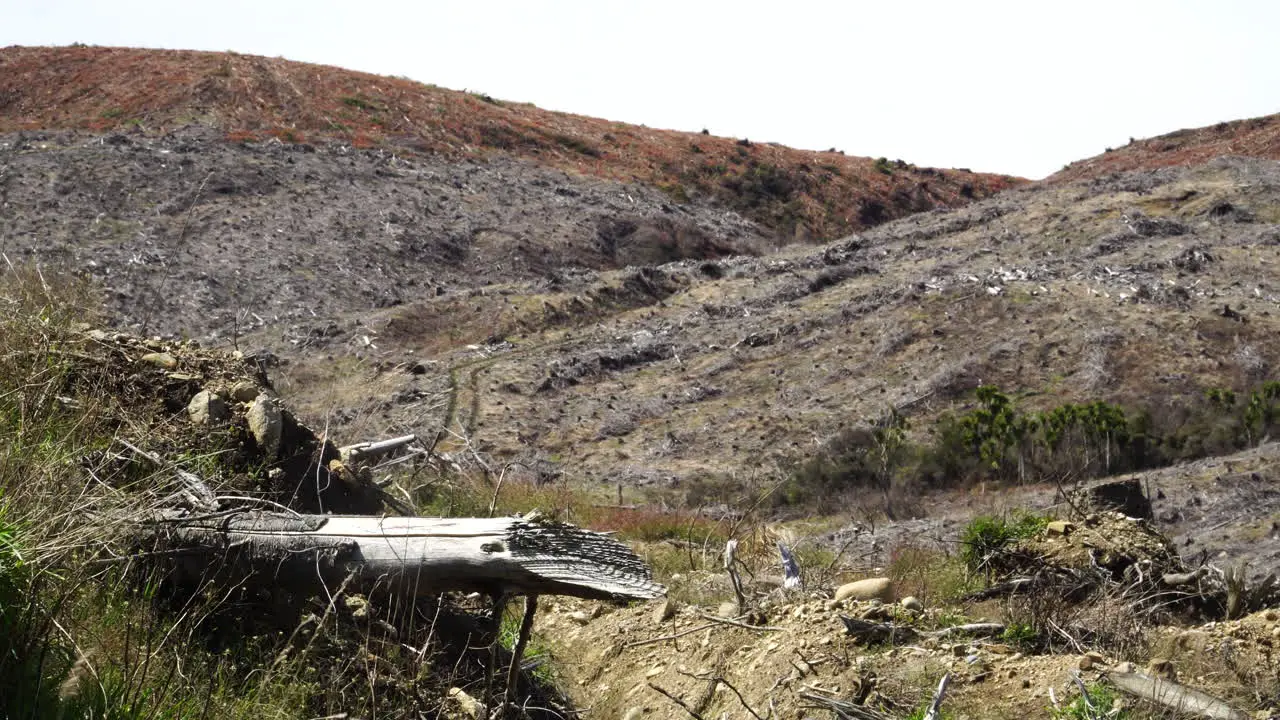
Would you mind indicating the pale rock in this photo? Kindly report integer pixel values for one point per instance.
(633, 713)
(162, 359)
(727, 609)
(463, 705)
(580, 617)
(869, 589)
(1059, 527)
(912, 603)
(266, 422)
(664, 610)
(243, 391)
(1161, 667)
(206, 408)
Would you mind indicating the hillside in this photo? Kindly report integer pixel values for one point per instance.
(1255, 137)
(799, 194)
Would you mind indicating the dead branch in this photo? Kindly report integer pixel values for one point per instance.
(363, 453)
(735, 623)
(844, 710)
(935, 705)
(677, 701)
(1175, 696)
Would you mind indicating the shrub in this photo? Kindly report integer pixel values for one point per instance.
(986, 535)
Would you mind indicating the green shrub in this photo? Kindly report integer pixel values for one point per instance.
(985, 535)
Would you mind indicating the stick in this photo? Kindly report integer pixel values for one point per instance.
(935, 707)
(677, 701)
(735, 623)
(526, 627)
(650, 641)
(361, 452)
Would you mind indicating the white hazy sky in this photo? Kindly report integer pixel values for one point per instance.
(1014, 87)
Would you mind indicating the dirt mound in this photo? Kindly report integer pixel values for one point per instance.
(798, 193)
(180, 407)
(1016, 656)
(1255, 137)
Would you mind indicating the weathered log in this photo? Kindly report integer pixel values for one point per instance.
(1180, 698)
(415, 554)
(366, 451)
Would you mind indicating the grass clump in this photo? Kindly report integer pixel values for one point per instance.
(986, 535)
(1099, 700)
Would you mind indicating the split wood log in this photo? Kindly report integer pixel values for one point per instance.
(507, 556)
(1180, 698)
(364, 452)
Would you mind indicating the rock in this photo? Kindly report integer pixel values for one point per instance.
(912, 603)
(244, 391)
(357, 604)
(1123, 668)
(461, 705)
(206, 408)
(1059, 527)
(161, 359)
(664, 610)
(633, 713)
(655, 671)
(1161, 667)
(727, 609)
(266, 422)
(580, 617)
(869, 589)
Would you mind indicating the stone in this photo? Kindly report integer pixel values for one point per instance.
(1161, 667)
(206, 408)
(869, 589)
(664, 610)
(243, 391)
(727, 609)
(633, 713)
(266, 422)
(161, 359)
(580, 617)
(461, 705)
(1059, 527)
(1125, 667)
(912, 603)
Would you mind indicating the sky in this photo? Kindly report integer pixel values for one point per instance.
(1011, 87)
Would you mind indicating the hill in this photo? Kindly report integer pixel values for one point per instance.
(1254, 137)
(799, 194)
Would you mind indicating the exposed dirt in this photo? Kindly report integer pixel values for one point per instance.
(799, 193)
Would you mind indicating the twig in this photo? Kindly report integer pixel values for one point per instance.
(526, 627)
(677, 701)
(726, 683)
(935, 707)
(735, 623)
(651, 641)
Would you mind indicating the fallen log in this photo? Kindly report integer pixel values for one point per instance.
(498, 556)
(1179, 698)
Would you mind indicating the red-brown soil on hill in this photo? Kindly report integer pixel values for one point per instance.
(799, 193)
(1255, 137)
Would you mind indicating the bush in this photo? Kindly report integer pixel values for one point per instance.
(986, 535)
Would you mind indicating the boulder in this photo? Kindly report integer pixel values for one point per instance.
(206, 408)
(266, 422)
(869, 589)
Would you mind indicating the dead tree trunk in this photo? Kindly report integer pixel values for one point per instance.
(422, 556)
